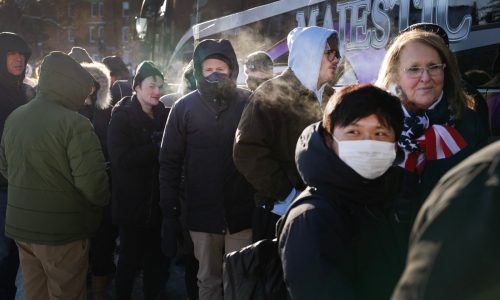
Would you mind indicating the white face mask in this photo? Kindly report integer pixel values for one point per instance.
(369, 158)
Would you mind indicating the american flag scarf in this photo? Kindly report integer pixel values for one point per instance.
(429, 136)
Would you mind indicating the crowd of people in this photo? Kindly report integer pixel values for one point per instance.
(379, 190)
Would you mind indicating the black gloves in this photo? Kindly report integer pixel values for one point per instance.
(171, 232)
(156, 137)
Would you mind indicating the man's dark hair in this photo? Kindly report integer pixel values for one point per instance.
(354, 102)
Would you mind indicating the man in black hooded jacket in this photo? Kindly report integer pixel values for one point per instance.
(14, 55)
(343, 240)
(198, 140)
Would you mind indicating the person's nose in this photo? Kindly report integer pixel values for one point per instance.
(366, 136)
(425, 75)
(18, 57)
(335, 61)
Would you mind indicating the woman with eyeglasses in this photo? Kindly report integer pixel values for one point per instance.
(441, 127)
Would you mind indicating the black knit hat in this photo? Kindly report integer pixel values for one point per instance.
(115, 65)
(430, 27)
(80, 55)
(259, 61)
(143, 71)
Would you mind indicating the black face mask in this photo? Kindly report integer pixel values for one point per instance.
(254, 82)
(216, 85)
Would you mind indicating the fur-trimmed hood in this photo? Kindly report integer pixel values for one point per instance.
(101, 74)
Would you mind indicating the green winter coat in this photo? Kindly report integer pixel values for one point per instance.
(53, 161)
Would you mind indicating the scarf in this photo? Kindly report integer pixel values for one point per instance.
(429, 135)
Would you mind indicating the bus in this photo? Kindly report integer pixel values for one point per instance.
(365, 29)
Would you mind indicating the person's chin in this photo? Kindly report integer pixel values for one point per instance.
(425, 103)
(18, 72)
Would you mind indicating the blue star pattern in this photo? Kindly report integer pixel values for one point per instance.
(414, 127)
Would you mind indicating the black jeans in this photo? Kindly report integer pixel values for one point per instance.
(140, 247)
(9, 257)
(103, 245)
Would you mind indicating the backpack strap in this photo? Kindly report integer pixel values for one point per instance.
(305, 195)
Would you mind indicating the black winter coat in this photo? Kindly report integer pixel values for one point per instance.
(134, 163)
(341, 242)
(455, 249)
(198, 142)
(10, 99)
(199, 139)
(416, 188)
(13, 92)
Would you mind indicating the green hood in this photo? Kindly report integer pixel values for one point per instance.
(64, 81)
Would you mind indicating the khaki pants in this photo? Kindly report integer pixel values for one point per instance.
(209, 249)
(54, 271)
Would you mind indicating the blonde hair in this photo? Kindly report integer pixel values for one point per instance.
(457, 99)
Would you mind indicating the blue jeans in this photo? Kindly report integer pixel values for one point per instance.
(9, 257)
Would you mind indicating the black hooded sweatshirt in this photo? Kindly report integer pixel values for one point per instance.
(198, 140)
(12, 89)
(341, 242)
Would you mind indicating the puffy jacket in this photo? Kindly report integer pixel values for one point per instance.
(53, 161)
(342, 241)
(198, 141)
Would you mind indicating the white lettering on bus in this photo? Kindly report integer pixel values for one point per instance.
(355, 14)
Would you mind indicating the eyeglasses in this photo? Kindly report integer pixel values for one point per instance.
(330, 54)
(432, 70)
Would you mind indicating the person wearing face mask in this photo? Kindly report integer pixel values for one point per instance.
(339, 242)
(441, 126)
(258, 68)
(134, 136)
(278, 112)
(198, 142)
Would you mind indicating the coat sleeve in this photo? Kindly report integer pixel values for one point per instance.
(455, 237)
(253, 154)
(122, 152)
(87, 164)
(172, 153)
(315, 256)
(3, 160)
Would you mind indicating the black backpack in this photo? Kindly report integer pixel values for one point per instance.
(255, 272)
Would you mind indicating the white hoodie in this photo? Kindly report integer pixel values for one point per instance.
(306, 47)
